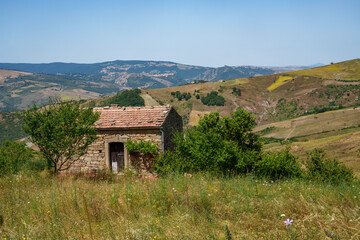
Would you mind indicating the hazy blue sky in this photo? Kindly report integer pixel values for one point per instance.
(204, 32)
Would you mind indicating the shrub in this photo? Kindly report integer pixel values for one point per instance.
(219, 145)
(213, 99)
(278, 165)
(126, 98)
(180, 96)
(323, 169)
(236, 91)
(146, 147)
(14, 156)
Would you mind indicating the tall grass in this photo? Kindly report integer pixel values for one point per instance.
(176, 207)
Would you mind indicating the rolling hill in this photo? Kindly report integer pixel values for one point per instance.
(311, 108)
(273, 97)
(25, 82)
(308, 108)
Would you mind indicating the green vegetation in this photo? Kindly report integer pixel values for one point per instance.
(236, 91)
(126, 98)
(180, 96)
(278, 165)
(228, 146)
(321, 168)
(287, 109)
(61, 130)
(220, 145)
(266, 131)
(10, 127)
(145, 147)
(16, 157)
(213, 99)
(176, 207)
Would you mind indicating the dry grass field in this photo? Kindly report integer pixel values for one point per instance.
(176, 207)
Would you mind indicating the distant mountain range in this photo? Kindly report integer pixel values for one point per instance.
(166, 73)
(22, 83)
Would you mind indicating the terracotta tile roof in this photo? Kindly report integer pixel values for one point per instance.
(131, 117)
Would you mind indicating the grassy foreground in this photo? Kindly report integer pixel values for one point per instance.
(201, 207)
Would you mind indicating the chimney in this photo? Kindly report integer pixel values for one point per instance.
(114, 106)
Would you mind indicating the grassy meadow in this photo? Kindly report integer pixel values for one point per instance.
(176, 207)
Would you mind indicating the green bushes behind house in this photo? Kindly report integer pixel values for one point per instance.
(227, 145)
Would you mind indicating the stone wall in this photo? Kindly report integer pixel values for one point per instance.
(96, 159)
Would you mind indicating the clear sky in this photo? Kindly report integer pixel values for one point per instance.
(203, 32)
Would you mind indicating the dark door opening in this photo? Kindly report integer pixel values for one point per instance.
(117, 162)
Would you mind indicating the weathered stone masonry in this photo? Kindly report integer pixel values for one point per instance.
(118, 125)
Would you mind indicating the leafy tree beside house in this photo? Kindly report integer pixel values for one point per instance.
(62, 131)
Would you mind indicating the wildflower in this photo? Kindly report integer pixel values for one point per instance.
(288, 222)
(282, 215)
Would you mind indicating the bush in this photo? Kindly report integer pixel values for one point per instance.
(126, 98)
(180, 96)
(236, 91)
(15, 157)
(219, 145)
(278, 165)
(323, 169)
(213, 99)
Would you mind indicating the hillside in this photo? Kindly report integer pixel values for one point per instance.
(168, 71)
(273, 97)
(25, 82)
(337, 132)
(20, 89)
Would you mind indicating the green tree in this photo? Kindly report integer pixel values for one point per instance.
(213, 99)
(127, 98)
(13, 156)
(217, 144)
(62, 131)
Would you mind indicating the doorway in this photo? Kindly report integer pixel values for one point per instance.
(116, 157)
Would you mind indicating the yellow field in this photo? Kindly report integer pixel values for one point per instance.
(280, 81)
(345, 71)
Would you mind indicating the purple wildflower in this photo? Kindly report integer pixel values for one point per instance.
(288, 222)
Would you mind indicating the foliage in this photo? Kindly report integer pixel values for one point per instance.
(213, 99)
(62, 131)
(180, 96)
(14, 156)
(221, 145)
(126, 98)
(145, 147)
(237, 128)
(323, 169)
(10, 127)
(286, 109)
(266, 130)
(278, 165)
(236, 91)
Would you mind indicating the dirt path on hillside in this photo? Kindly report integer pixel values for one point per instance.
(149, 101)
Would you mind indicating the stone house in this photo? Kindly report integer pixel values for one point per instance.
(116, 126)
